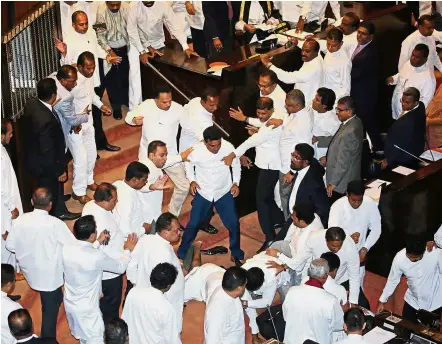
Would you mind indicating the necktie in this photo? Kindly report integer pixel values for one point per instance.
(230, 9)
(357, 51)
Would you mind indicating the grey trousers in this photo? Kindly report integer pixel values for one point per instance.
(285, 190)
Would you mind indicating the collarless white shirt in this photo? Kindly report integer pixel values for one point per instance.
(324, 124)
(7, 307)
(336, 290)
(353, 339)
(37, 239)
(150, 317)
(361, 220)
(317, 12)
(294, 193)
(84, 95)
(10, 194)
(129, 209)
(106, 220)
(421, 78)
(195, 120)
(337, 70)
(278, 96)
(201, 281)
(209, 171)
(157, 125)
(223, 319)
(307, 79)
(424, 280)
(350, 42)
(297, 128)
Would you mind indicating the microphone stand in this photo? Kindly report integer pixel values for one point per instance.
(414, 156)
(273, 323)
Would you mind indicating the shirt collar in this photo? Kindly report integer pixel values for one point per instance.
(422, 68)
(46, 104)
(24, 340)
(362, 46)
(4, 294)
(405, 112)
(159, 236)
(353, 335)
(347, 120)
(40, 211)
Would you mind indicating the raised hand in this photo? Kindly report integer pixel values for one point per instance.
(237, 114)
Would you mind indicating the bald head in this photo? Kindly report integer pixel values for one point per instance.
(42, 199)
(80, 22)
(20, 324)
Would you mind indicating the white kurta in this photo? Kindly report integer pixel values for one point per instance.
(337, 70)
(150, 317)
(199, 282)
(324, 125)
(353, 339)
(7, 307)
(350, 43)
(150, 251)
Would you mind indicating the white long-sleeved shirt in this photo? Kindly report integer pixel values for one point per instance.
(196, 20)
(37, 240)
(223, 319)
(353, 339)
(84, 95)
(311, 313)
(10, 194)
(337, 70)
(410, 43)
(361, 220)
(315, 245)
(201, 281)
(317, 11)
(7, 307)
(350, 42)
(105, 219)
(291, 10)
(150, 317)
(278, 96)
(424, 280)
(129, 209)
(210, 173)
(336, 290)
(307, 79)
(297, 128)
(145, 25)
(421, 78)
(324, 125)
(195, 120)
(150, 251)
(157, 125)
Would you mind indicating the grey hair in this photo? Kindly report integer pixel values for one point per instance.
(296, 96)
(318, 268)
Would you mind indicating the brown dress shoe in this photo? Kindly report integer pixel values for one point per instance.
(82, 199)
(93, 186)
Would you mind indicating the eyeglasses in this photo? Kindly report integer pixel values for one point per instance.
(296, 157)
(340, 110)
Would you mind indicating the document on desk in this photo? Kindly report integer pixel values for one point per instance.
(378, 336)
(434, 155)
(403, 170)
(377, 183)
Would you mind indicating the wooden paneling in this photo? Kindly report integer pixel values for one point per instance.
(15, 11)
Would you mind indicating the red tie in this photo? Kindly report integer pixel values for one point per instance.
(229, 6)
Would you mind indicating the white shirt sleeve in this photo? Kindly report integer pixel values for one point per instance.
(173, 24)
(290, 233)
(393, 280)
(132, 267)
(213, 327)
(353, 264)
(395, 79)
(253, 141)
(190, 170)
(427, 91)
(374, 225)
(345, 81)
(405, 53)
(302, 257)
(337, 321)
(112, 265)
(64, 235)
(336, 9)
(292, 77)
(132, 29)
(236, 171)
(125, 215)
(140, 110)
(251, 313)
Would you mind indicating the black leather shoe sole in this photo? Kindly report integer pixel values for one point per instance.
(69, 216)
(215, 250)
(111, 148)
(210, 230)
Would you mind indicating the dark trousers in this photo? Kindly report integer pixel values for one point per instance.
(50, 304)
(199, 42)
(129, 286)
(268, 212)
(55, 187)
(362, 301)
(410, 314)
(100, 136)
(111, 300)
(283, 231)
(116, 80)
(265, 324)
(226, 209)
(367, 113)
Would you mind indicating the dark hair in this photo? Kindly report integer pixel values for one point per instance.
(152, 148)
(348, 102)
(356, 187)
(233, 278)
(369, 26)
(335, 234)
(328, 97)
(334, 262)
(271, 74)
(264, 103)
(163, 276)
(412, 92)
(104, 192)
(255, 279)
(315, 44)
(354, 17)
(306, 152)
(41, 197)
(84, 227)
(76, 14)
(8, 274)
(415, 244)
(164, 221)
(65, 71)
(85, 55)
(136, 170)
(5, 123)
(305, 212)
(335, 35)
(426, 17)
(209, 92)
(161, 88)
(354, 318)
(423, 48)
(211, 133)
(20, 323)
(46, 88)
(116, 332)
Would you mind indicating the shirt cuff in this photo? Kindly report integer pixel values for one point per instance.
(240, 25)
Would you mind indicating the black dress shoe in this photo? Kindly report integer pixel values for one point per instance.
(278, 225)
(98, 157)
(118, 115)
(69, 216)
(67, 197)
(14, 297)
(264, 246)
(215, 250)
(210, 229)
(237, 262)
(111, 148)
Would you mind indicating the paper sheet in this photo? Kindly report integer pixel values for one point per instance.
(427, 155)
(373, 193)
(377, 183)
(378, 336)
(403, 170)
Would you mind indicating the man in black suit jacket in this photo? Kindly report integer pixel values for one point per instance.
(217, 27)
(44, 146)
(408, 132)
(22, 328)
(364, 83)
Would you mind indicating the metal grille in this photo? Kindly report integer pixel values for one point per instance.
(28, 55)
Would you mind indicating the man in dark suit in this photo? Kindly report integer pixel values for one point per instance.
(22, 328)
(216, 28)
(408, 132)
(44, 146)
(364, 84)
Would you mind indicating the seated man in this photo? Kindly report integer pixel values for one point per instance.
(354, 325)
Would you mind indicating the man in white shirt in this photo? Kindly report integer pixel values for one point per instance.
(349, 26)
(83, 271)
(292, 11)
(37, 240)
(224, 316)
(213, 184)
(309, 77)
(317, 11)
(423, 34)
(418, 73)
(423, 271)
(7, 305)
(311, 312)
(160, 118)
(354, 325)
(150, 316)
(129, 209)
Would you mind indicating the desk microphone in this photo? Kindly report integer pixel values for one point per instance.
(414, 156)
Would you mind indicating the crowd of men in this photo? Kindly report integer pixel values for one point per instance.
(319, 226)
